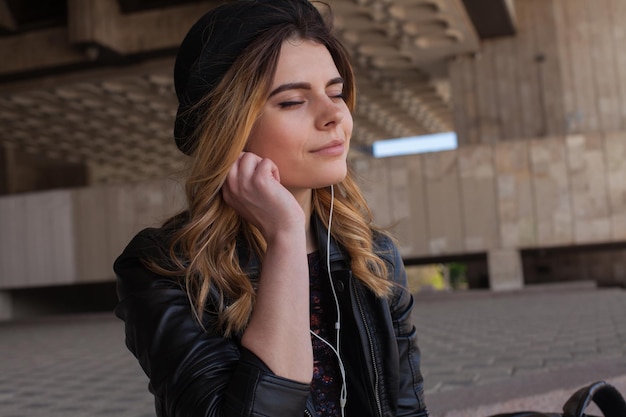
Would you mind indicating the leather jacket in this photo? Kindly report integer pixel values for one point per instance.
(197, 372)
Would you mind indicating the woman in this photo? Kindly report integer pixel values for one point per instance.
(272, 294)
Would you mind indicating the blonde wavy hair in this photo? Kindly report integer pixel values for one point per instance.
(204, 247)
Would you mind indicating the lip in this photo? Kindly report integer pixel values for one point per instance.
(332, 148)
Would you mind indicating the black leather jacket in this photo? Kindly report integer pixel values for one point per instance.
(196, 372)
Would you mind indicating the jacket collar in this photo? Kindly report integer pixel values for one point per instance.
(339, 259)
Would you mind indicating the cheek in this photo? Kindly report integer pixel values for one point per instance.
(272, 131)
(269, 142)
(257, 140)
(348, 125)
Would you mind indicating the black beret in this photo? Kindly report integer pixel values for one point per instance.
(213, 44)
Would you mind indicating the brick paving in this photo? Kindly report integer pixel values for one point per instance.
(491, 339)
(75, 366)
(70, 367)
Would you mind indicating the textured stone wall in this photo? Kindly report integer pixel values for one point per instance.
(541, 193)
(500, 199)
(73, 236)
(562, 73)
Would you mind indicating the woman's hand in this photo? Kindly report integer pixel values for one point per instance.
(278, 331)
(253, 189)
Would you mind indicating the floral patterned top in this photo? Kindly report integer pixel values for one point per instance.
(326, 384)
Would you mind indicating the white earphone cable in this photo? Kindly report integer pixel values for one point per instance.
(344, 389)
(344, 386)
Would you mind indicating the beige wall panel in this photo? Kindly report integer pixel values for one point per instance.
(133, 207)
(107, 219)
(552, 199)
(91, 232)
(36, 246)
(618, 11)
(603, 62)
(14, 253)
(49, 240)
(478, 193)
(578, 41)
(587, 172)
(444, 203)
(469, 83)
(120, 209)
(459, 115)
(486, 103)
(528, 81)
(616, 182)
(408, 205)
(548, 69)
(468, 100)
(514, 195)
(569, 118)
(507, 89)
(60, 212)
(399, 198)
(418, 204)
(505, 269)
(372, 176)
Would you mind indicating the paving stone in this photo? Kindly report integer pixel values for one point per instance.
(79, 366)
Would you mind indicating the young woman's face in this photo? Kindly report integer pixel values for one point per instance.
(305, 125)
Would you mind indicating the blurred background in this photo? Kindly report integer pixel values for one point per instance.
(516, 109)
(513, 181)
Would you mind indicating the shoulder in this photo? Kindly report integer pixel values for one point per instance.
(133, 266)
(385, 247)
(150, 243)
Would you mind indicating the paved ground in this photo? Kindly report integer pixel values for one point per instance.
(482, 353)
(488, 353)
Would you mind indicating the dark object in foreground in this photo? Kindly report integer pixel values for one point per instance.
(606, 397)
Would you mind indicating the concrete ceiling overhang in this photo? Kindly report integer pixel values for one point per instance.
(96, 88)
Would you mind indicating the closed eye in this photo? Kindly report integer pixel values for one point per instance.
(288, 104)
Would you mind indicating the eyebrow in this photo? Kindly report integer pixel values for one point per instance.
(303, 86)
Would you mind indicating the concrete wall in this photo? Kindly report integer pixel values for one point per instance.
(22, 172)
(562, 73)
(501, 198)
(72, 236)
(496, 199)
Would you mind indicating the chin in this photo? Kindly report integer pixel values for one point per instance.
(320, 178)
(335, 179)
(336, 174)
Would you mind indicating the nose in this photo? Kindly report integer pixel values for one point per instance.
(331, 112)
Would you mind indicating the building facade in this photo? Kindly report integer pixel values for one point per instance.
(534, 89)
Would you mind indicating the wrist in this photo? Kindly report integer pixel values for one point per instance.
(287, 238)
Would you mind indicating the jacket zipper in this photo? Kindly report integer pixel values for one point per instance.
(369, 339)
(308, 413)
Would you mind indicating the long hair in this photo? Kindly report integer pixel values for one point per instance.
(204, 248)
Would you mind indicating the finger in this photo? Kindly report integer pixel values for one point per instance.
(232, 173)
(249, 158)
(248, 165)
(268, 169)
(231, 181)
